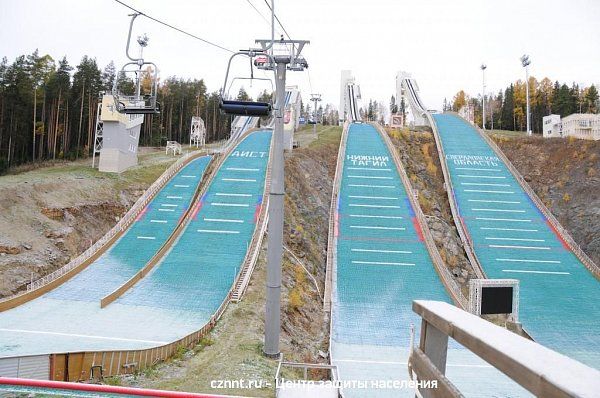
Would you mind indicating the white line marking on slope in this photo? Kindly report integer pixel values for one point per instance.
(519, 260)
(381, 251)
(509, 229)
(159, 221)
(230, 204)
(146, 237)
(518, 239)
(239, 179)
(520, 247)
(233, 194)
(372, 177)
(536, 272)
(241, 169)
(376, 227)
(481, 184)
(489, 177)
(217, 231)
(223, 220)
(380, 263)
(370, 216)
(484, 191)
(373, 197)
(80, 335)
(502, 219)
(493, 201)
(376, 206)
(501, 210)
(371, 186)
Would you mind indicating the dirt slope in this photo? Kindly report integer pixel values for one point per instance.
(565, 174)
(50, 214)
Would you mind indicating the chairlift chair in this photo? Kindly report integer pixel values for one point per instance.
(245, 108)
(138, 103)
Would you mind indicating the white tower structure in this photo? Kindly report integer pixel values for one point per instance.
(349, 98)
(197, 132)
(407, 89)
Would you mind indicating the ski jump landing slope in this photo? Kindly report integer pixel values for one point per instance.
(513, 239)
(381, 266)
(181, 292)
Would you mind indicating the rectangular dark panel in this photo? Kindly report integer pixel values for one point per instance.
(496, 300)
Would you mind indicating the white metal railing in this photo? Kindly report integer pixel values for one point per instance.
(447, 279)
(543, 372)
(564, 234)
(123, 223)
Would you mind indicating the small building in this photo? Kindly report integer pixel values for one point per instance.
(585, 126)
(551, 126)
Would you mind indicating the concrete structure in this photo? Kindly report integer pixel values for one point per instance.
(585, 126)
(551, 127)
(291, 117)
(120, 138)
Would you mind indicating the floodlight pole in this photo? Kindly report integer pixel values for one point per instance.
(276, 194)
(525, 61)
(483, 67)
(315, 98)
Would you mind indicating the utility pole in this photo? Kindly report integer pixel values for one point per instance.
(525, 61)
(316, 98)
(483, 68)
(290, 61)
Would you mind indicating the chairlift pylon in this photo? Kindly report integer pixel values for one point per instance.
(245, 108)
(138, 103)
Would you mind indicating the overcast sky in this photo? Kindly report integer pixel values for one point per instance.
(441, 42)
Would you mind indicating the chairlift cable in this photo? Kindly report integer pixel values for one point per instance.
(175, 28)
(260, 13)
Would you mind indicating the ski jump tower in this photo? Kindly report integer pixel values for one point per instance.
(349, 98)
(407, 88)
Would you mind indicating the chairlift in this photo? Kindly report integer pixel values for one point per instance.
(136, 103)
(245, 108)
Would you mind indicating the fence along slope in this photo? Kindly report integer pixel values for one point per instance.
(81, 262)
(555, 287)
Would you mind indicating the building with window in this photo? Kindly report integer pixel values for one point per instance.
(585, 126)
(551, 126)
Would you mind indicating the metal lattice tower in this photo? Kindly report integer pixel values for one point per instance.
(197, 132)
(315, 98)
(98, 134)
